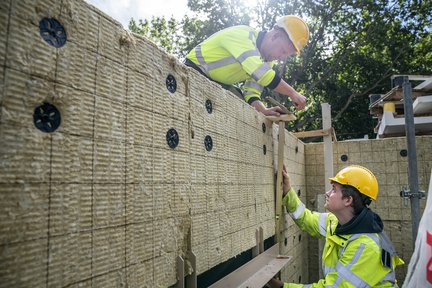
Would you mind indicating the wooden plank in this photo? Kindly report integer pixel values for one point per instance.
(334, 135)
(313, 133)
(425, 85)
(279, 180)
(283, 117)
(328, 147)
(328, 165)
(257, 272)
(413, 77)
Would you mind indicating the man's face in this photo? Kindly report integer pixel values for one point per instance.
(278, 47)
(334, 201)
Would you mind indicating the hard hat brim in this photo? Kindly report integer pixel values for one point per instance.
(334, 180)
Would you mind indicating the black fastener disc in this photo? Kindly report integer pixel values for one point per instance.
(46, 118)
(172, 138)
(171, 83)
(52, 32)
(209, 106)
(208, 143)
(344, 158)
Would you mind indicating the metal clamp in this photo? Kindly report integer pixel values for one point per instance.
(187, 273)
(259, 247)
(190, 276)
(407, 194)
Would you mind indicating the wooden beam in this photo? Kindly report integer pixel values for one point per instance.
(328, 164)
(328, 146)
(334, 135)
(279, 182)
(313, 133)
(284, 117)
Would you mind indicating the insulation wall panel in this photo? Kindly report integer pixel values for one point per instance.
(103, 201)
(4, 18)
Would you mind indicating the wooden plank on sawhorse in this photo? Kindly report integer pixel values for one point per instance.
(257, 272)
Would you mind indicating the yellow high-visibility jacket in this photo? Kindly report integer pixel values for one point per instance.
(351, 260)
(231, 56)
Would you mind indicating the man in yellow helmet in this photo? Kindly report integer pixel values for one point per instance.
(241, 53)
(357, 252)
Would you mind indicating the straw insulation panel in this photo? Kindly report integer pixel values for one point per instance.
(111, 151)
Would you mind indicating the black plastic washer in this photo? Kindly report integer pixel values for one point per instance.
(172, 138)
(403, 153)
(52, 32)
(209, 106)
(171, 83)
(208, 143)
(46, 118)
(344, 158)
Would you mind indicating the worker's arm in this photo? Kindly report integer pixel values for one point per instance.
(311, 222)
(252, 91)
(298, 99)
(251, 94)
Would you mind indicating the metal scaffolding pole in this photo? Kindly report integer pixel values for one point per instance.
(414, 194)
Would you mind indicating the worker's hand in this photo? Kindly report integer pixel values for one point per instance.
(275, 283)
(286, 186)
(273, 111)
(298, 100)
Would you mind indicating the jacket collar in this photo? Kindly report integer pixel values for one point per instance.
(366, 222)
(260, 38)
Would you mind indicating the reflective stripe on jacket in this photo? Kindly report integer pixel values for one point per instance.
(231, 56)
(354, 260)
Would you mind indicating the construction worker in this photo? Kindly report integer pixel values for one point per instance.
(357, 252)
(241, 53)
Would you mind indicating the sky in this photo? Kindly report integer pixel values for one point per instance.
(124, 10)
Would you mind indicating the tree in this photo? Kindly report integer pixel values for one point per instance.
(368, 43)
(212, 16)
(163, 32)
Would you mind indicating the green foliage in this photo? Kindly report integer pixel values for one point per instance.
(211, 17)
(354, 48)
(160, 30)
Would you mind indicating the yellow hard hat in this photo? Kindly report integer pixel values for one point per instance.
(360, 178)
(297, 30)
